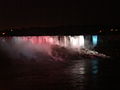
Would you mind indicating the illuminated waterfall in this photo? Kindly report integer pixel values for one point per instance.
(67, 41)
(94, 40)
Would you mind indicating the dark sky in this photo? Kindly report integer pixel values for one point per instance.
(43, 13)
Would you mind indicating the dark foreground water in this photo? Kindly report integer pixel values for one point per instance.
(46, 74)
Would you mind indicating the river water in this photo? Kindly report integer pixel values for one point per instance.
(27, 69)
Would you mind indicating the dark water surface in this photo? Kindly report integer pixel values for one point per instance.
(45, 74)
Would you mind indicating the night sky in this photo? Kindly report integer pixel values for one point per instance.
(43, 13)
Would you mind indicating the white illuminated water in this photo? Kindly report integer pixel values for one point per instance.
(77, 41)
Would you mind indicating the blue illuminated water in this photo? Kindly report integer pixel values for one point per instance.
(94, 40)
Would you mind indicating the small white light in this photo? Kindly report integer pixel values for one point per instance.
(3, 33)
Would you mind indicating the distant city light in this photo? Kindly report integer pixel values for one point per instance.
(3, 33)
(11, 30)
(94, 39)
(111, 30)
(116, 29)
(100, 31)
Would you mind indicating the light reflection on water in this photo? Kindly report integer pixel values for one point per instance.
(83, 73)
(94, 64)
